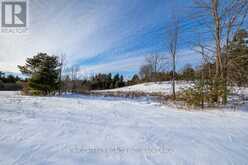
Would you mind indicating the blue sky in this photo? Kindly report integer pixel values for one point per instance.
(98, 35)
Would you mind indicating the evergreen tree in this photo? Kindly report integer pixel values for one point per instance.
(238, 59)
(44, 73)
(109, 81)
(188, 73)
(116, 81)
(134, 80)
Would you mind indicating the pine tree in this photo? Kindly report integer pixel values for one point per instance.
(238, 59)
(188, 73)
(134, 80)
(116, 81)
(44, 74)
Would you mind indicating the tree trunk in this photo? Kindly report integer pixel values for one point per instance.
(60, 81)
(217, 21)
(174, 77)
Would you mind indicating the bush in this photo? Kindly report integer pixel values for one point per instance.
(193, 96)
(36, 93)
(203, 93)
(215, 92)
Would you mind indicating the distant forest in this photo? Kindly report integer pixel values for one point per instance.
(10, 82)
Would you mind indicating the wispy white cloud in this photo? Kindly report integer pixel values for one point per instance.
(60, 26)
(131, 62)
(84, 29)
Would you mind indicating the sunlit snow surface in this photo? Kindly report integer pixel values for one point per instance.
(152, 87)
(74, 130)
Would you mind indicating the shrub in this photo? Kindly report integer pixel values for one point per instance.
(203, 93)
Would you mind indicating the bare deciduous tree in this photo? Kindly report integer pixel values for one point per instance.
(222, 18)
(145, 72)
(156, 61)
(154, 64)
(71, 78)
(74, 72)
(225, 17)
(172, 47)
(62, 60)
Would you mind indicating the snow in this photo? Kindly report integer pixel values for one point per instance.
(240, 90)
(96, 131)
(152, 87)
(165, 88)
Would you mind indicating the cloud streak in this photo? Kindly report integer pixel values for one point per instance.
(107, 36)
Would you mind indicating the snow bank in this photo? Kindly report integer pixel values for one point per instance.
(92, 131)
(152, 87)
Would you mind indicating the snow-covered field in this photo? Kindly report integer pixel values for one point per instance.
(85, 130)
(152, 87)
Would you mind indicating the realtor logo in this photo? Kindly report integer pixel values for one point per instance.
(14, 16)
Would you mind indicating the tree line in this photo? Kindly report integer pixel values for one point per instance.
(45, 72)
(46, 77)
(97, 82)
(9, 82)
